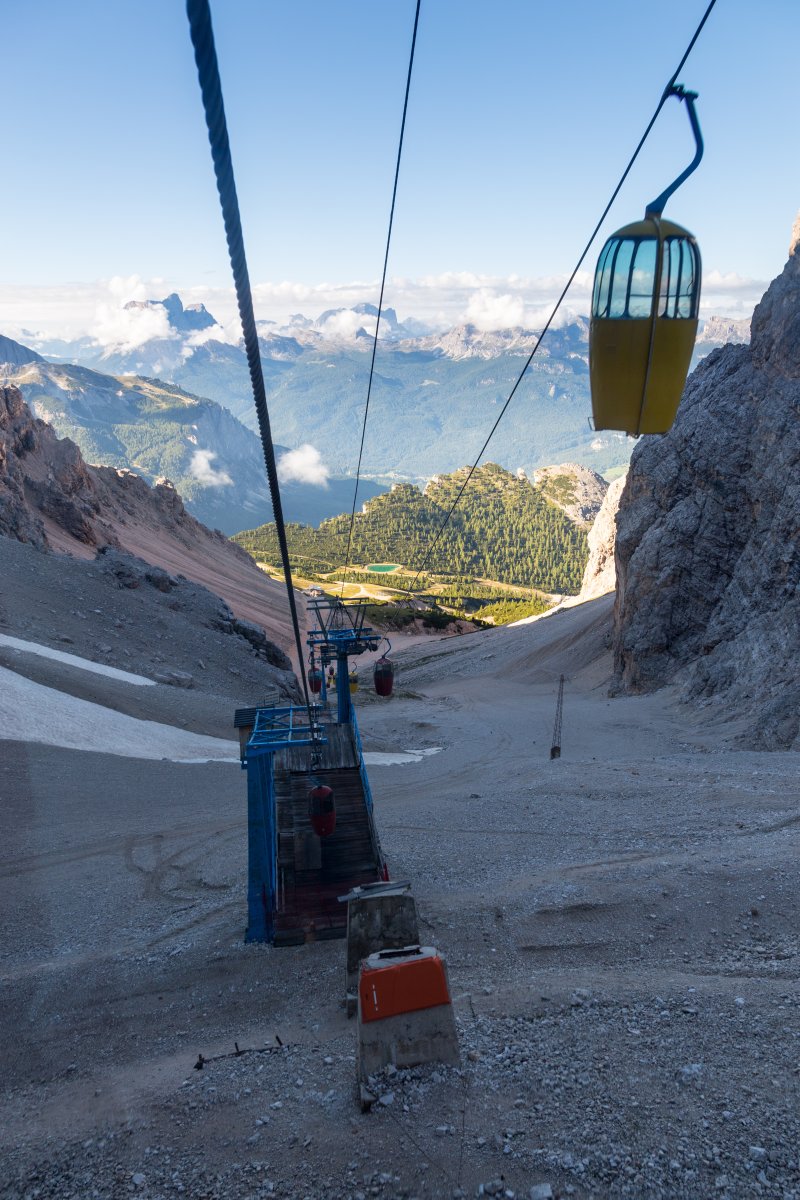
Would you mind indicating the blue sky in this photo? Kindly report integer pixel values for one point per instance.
(521, 118)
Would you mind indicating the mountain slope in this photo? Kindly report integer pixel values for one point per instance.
(577, 490)
(434, 395)
(161, 431)
(50, 498)
(15, 355)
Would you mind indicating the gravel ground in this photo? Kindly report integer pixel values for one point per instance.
(620, 927)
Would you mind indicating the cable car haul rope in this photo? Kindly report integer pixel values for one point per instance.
(205, 54)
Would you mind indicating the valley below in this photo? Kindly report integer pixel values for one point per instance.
(620, 927)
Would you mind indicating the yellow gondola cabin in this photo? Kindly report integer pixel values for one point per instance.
(645, 305)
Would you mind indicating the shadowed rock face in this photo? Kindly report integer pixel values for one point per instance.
(708, 532)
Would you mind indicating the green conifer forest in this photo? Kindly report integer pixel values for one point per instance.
(503, 529)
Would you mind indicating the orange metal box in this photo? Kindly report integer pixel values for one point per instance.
(389, 986)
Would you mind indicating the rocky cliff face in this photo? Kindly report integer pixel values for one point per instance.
(600, 575)
(708, 533)
(51, 498)
(576, 489)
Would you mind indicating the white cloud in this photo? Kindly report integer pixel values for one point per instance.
(491, 311)
(346, 324)
(487, 310)
(128, 287)
(125, 329)
(727, 294)
(440, 301)
(230, 334)
(730, 282)
(303, 465)
(201, 468)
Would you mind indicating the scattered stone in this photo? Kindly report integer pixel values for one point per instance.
(541, 1191)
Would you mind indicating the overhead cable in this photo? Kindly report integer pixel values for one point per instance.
(205, 54)
(664, 97)
(383, 285)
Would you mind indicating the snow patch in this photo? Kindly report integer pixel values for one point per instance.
(73, 660)
(31, 712)
(375, 758)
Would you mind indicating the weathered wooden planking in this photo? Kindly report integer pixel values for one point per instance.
(338, 752)
(308, 898)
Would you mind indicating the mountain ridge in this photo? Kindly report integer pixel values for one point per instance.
(51, 499)
(504, 529)
(162, 431)
(434, 395)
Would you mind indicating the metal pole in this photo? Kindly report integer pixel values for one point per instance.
(262, 839)
(555, 749)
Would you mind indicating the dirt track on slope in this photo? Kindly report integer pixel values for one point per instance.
(620, 927)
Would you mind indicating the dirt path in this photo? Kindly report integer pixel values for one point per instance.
(620, 927)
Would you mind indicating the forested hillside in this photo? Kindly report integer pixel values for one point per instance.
(502, 529)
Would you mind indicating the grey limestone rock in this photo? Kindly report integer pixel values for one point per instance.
(708, 533)
(599, 575)
(576, 489)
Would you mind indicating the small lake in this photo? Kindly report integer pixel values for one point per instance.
(382, 568)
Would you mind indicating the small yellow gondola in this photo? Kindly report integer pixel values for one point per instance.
(644, 315)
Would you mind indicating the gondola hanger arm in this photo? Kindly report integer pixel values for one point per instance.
(656, 207)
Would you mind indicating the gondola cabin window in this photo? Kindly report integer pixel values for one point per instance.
(680, 276)
(625, 282)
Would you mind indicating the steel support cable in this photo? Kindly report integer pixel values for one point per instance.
(664, 97)
(205, 55)
(383, 285)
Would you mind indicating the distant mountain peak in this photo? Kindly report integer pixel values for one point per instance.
(724, 330)
(16, 354)
(183, 320)
(388, 315)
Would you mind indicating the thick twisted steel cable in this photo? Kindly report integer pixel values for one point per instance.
(205, 55)
(664, 97)
(383, 286)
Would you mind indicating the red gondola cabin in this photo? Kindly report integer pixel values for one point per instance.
(384, 677)
(322, 810)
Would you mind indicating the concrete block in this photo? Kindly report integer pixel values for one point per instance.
(405, 1038)
(381, 916)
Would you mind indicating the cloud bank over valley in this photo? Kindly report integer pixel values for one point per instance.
(96, 310)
